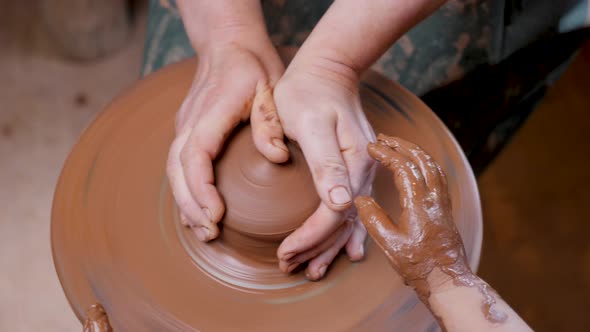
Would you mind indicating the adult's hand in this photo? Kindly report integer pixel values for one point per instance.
(236, 62)
(319, 107)
(321, 111)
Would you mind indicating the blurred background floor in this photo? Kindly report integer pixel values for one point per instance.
(45, 103)
(536, 206)
(535, 198)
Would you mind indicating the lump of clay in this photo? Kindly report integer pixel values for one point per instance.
(263, 200)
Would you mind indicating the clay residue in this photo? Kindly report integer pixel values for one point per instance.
(425, 237)
(489, 296)
(97, 320)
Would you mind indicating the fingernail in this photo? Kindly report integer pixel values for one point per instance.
(278, 143)
(207, 213)
(340, 195)
(362, 251)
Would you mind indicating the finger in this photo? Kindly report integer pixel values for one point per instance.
(355, 247)
(406, 175)
(427, 165)
(291, 264)
(266, 127)
(318, 227)
(353, 144)
(202, 147)
(444, 192)
(316, 269)
(322, 152)
(378, 224)
(191, 213)
(201, 231)
(184, 220)
(354, 134)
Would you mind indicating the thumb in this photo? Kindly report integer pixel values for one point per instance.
(322, 152)
(376, 221)
(266, 127)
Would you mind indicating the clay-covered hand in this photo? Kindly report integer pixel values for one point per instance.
(321, 111)
(425, 236)
(222, 95)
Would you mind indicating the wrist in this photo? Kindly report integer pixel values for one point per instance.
(211, 24)
(326, 67)
(251, 38)
(440, 282)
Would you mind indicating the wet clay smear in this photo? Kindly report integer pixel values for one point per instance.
(97, 320)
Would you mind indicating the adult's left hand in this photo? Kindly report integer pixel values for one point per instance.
(320, 108)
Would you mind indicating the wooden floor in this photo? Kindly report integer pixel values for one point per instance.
(536, 201)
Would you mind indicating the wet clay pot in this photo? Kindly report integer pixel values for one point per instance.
(117, 239)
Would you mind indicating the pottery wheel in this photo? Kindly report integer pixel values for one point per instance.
(117, 238)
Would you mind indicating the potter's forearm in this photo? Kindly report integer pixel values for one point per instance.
(471, 308)
(353, 34)
(214, 23)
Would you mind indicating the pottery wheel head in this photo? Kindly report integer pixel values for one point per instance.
(117, 237)
(264, 200)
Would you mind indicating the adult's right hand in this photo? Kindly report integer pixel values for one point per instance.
(223, 92)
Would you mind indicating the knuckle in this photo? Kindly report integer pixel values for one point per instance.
(330, 168)
(184, 205)
(268, 114)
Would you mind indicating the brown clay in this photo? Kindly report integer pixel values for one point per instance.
(264, 201)
(117, 238)
(424, 237)
(97, 320)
